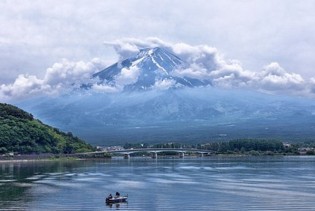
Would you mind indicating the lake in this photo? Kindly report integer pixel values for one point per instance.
(209, 183)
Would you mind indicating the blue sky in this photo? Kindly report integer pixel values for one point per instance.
(41, 36)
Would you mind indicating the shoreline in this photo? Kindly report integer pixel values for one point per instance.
(46, 157)
(69, 158)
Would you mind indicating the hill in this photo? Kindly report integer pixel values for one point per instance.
(21, 133)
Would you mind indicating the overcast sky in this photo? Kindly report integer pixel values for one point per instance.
(35, 34)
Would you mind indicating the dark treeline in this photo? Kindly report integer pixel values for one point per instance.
(245, 145)
(238, 146)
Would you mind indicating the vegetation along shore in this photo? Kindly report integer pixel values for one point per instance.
(22, 137)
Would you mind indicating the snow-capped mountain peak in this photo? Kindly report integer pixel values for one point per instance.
(150, 68)
(162, 59)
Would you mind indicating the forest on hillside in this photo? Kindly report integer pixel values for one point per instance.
(21, 133)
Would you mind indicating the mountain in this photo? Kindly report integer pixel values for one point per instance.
(192, 115)
(150, 68)
(151, 107)
(21, 133)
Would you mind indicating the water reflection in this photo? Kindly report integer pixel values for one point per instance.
(117, 206)
(17, 178)
(277, 183)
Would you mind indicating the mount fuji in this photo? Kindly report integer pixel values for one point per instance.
(155, 105)
(150, 68)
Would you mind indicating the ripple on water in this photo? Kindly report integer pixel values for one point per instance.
(165, 185)
(7, 180)
(125, 185)
(35, 177)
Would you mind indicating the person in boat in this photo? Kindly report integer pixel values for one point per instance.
(110, 196)
(117, 194)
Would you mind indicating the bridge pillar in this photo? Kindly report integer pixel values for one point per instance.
(154, 155)
(126, 156)
(181, 154)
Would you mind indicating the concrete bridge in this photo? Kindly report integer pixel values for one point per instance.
(154, 151)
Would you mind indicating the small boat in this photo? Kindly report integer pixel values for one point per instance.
(116, 199)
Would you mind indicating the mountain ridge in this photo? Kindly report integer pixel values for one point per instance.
(188, 115)
(151, 68)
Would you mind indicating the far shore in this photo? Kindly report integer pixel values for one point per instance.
(48, 160)
(18, 159)
(45, 157)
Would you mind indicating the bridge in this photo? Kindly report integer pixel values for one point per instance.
(154, 151)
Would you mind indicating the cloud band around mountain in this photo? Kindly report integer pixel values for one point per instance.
(203, 62)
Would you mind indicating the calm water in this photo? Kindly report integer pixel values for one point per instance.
(251, 183)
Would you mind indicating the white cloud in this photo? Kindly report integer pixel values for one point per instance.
(193, 71)
(60, 77)
(68, 72)
(38, 33)
(207, 64)
(127, 76)
(105, 88)
(24, 85)
(164, 84)
(274, 77)
(127, 47)
(202, 62)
